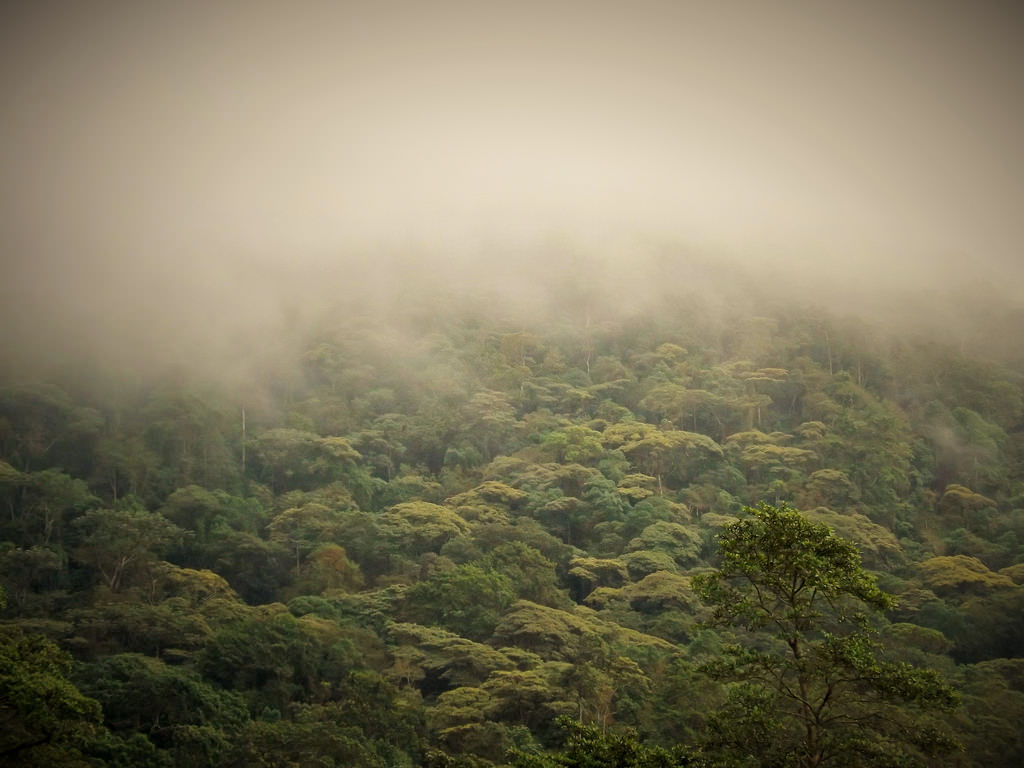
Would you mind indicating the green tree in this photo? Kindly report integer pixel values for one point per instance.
(146, 695)
(574, 444)
(255, 567)
(304, 528)
(679, 542)
(275, 659)
(186, 433)
(488, 422)
(41, 425)
(292, 459)
(587, 746)
(668, 455)
(813, 687)
(419, 526)
(27, 572)
(44, 718)
(193, 508)
(468, 599)
(49, 500)
(119, 542)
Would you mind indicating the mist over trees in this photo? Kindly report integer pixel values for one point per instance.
(464, 527)
(519, 384)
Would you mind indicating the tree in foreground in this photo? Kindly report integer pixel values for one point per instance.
(810, 684)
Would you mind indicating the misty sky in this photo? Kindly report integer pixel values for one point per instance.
(146, 143)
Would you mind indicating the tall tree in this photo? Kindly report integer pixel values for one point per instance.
(119, 542)
(812, 683)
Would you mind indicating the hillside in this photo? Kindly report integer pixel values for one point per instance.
(420, 539)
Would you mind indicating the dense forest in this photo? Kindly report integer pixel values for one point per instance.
(446, 533)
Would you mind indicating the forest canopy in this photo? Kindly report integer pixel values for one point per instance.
(466, 538)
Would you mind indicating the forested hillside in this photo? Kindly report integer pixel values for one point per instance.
(422, 535)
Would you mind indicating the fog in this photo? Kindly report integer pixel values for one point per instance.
(175, 175)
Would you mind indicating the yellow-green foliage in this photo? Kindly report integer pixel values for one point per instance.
(750, 437)
(957, 499)
(659, 591)
(680, 542)
(878, 545)
(489, 492)
(557, 635)
(549, 632)
(716, 521)
(1014, 572)
(928, 640)
(642, 562)
(760, 456)
(638, 486)
(422, 525)
(830, 487)
(419, 650)
(959, 572)
(598, 572)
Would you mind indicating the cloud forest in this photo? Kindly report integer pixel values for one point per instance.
(535, 384)
(759, 535)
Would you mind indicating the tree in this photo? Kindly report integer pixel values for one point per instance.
(574, 444)
(119, 541)
(44, 718)
(28, 572)
(587, 746)
(193, 508)
(161, 700)
(960, 573)
(658, 452)
(276, 660)
(488, 422)
(38, 505)
(292, 459)
(679, 542)
(468, 599)
(304, 528)
(419, 526)
(435, 658)
(813, 688)
(41, 424)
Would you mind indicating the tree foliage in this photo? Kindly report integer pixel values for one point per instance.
(44, 718)
(817, 691)
(419, 539)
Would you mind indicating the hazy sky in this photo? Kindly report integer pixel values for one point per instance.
(141, 139)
